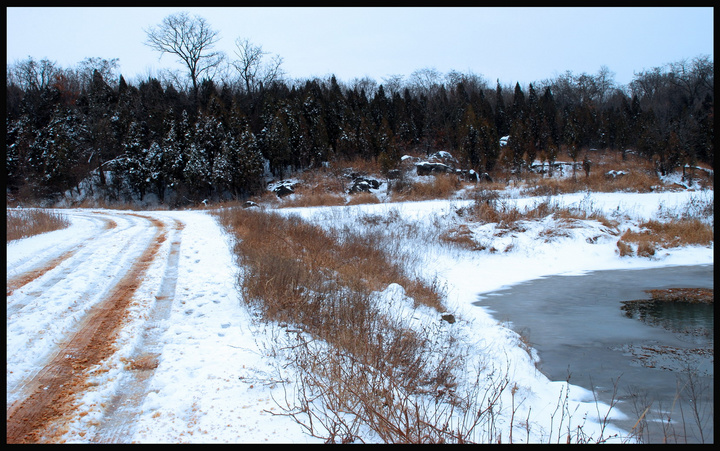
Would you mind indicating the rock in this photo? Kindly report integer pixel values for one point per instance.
(443, 157)
(250, 204)
(614, 174)
(363, 185)
(428, 168)
(448, 317)
(467, 174)
(394, 174)
(284, 188)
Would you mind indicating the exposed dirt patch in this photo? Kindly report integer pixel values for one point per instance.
(27, 277)
(53, 390)
(690, 295)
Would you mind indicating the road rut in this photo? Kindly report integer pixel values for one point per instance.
(49, 394)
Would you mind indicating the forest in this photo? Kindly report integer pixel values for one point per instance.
(217, 135)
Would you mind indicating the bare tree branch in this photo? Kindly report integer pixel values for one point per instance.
(190, 39)
(250, 66)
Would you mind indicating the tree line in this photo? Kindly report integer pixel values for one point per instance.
(218, 135)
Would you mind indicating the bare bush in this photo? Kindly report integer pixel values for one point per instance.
(28, 222)
(654, 234)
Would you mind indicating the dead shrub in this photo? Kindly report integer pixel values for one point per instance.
(363, 198)
(440, 186)
(324, 282)
(34, 221)
(624, 249)
(461, 236)
(674, 233)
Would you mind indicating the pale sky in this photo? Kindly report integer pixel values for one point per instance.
(512, 44)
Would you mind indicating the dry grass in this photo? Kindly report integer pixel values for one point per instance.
(441, 186)
(490, 208)
(461, 236)
(654, 235)
(633, 181)
(307, 198)
(293, 256)
(370, 366)
(363, 198)
(29, 222)
(639, 175)
(116, 205)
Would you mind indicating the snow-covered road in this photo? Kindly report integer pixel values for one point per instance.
(89, 309)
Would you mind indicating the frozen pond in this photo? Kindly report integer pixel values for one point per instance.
(579, 330)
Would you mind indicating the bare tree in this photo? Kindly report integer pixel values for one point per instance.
(191, 40)
(426, 80)
(605, 80)
(33, 75)
(393, 84)
(106, 68)
(250, 65)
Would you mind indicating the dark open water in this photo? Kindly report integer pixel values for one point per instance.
(579, 329)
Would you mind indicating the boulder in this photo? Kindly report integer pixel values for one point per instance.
(443, 157)
(428, 168)
(467, 174)
(614, 174)
(448, 317)
(363, 185)
(284, 188)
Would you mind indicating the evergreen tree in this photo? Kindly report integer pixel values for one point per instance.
(501, 120)
(276, 143)
(470, 145)
(517, 111)
(59, 153)
(132, 167)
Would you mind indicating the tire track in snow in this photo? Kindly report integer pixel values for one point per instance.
(58, 269)
(117, 424)
(39, 269)
(54, 388)
(85, 279)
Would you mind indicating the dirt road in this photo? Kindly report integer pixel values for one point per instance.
(101, 273)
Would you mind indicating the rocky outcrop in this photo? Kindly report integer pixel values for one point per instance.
(363, 185)
(283, 188)
(428, 168)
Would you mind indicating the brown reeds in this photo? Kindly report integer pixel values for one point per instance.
(654, 235)
(34, 221)
(375, 364)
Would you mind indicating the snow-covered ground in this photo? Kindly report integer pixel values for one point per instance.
(213, 378)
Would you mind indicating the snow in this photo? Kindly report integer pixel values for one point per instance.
(215, 380)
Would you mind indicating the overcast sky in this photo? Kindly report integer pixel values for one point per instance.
(514, 44)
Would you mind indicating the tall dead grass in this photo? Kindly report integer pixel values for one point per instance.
(299, 254)
(654, 235)
(28, 222)
(441, 186)
(370, 369)
(488, 207)
(637, 181)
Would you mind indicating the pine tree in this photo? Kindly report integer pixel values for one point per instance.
(59, 153)
(470, 144)
(517, 111)
(132, 167)
(501, 120)
(276, 143)
(240, 166)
